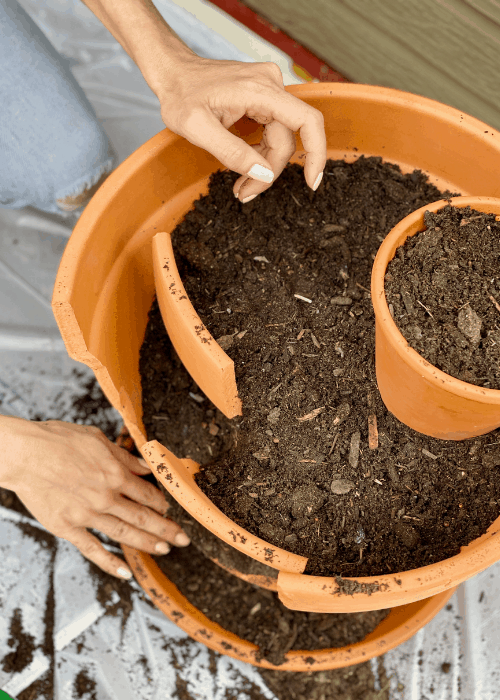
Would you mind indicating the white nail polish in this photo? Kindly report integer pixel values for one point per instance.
(162, 548)
(248, 199)
(124, 573)
(182, 540)
(260, 173)
(317, 182)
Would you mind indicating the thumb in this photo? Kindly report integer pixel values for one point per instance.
(205, 130)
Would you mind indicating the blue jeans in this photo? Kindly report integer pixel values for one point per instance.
(52, 148)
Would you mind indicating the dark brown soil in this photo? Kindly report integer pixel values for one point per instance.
(189, 428)
(22, 644)
(313, 486)
(444, 286)
(42, 689)
(181, 418)
(354, 683)
(84, 686)
(257, 615)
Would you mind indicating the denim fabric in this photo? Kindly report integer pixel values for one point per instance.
(51, 143)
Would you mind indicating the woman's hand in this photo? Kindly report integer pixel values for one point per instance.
(71, 477)
(204, 97)
(201, 98)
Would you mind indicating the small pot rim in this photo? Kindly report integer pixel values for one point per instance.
(384, 255)
(176, 607)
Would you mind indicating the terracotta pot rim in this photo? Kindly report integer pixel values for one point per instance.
(104, 196)
(191, 620)
(400, 344)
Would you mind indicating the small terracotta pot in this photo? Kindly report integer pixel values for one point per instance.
(417, 393)
(105, 287)
(401, 624)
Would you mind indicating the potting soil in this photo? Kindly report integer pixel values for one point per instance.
(257, 615)
(444, 287)
(318, 466)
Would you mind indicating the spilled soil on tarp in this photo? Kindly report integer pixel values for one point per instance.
(257, 615)
(444, 287)
(21, 643)
(316, 465)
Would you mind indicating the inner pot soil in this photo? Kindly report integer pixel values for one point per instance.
(444, 289)
(316, 464)
(257, 615)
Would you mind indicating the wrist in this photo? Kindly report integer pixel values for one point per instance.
(163, 61)
(15, 434)
(145, 36)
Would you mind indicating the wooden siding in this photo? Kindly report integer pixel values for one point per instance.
(448, 50)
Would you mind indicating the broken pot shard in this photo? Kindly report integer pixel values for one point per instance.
(200, 354)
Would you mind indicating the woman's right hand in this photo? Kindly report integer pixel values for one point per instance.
(71, 477)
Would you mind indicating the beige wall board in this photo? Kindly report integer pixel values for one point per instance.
(448, 50)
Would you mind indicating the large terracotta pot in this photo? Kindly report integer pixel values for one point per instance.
(401, 624)
(416, 392)
(105, 287)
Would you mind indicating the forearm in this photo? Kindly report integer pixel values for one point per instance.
(146, 37)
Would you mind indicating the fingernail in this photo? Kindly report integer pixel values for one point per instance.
(259, 172)
(317, 182)
(124, 573)
(248, 199)
(162, 548)
(236, 195)
(182, 540)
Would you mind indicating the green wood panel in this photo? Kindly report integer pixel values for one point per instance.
(448, 50)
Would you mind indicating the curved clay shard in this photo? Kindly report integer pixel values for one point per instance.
(201, 355)
(177, 476)
(401, 624)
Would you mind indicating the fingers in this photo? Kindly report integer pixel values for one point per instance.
(94, 551)
(296, 115)
(133, 464)
(136, 527)
(277, 146)
(144, 493)
(203, 129)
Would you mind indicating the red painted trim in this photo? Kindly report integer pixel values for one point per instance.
(301, 56)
